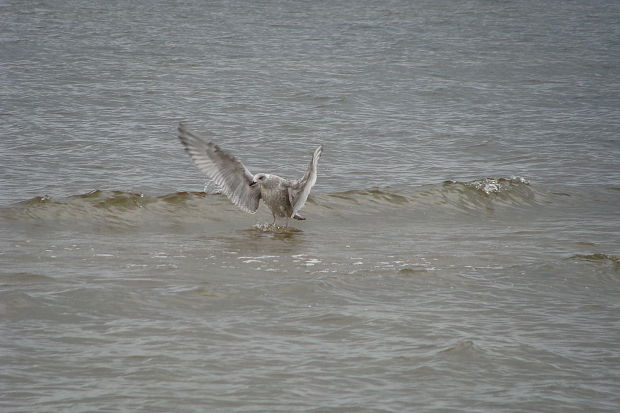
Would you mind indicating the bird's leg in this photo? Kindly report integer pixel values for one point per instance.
(274, 219)
(286, 225)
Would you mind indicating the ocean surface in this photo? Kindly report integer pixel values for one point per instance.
(461, 251)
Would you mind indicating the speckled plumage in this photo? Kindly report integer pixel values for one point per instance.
(284, 197)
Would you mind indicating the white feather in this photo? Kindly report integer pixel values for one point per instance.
(226, 171)
(300, 189)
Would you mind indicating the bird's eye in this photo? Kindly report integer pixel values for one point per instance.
(262, 178)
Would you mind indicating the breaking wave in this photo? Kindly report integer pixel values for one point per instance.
(122, 208)
(604, 259)
(477, 195)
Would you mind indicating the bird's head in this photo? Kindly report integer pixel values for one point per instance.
(259, 179)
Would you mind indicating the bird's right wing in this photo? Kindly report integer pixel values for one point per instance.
(225, 170)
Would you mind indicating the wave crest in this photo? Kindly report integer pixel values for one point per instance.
(480, 194)
(122, 208)
(599, 258)
(490, 186)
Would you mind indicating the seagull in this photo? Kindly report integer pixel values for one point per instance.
(284, 197)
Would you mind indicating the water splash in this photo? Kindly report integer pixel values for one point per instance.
(275, 229)
(493, 185)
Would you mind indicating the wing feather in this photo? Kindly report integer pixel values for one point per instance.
(300, 189)
(225, 170)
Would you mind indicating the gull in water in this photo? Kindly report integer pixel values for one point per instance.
(284, 197)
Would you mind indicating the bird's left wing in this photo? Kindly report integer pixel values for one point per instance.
(225, 170)
(299, 190)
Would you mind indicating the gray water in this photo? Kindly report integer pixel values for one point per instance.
(462, 245)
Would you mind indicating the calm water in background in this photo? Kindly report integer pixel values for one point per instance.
(462, 247)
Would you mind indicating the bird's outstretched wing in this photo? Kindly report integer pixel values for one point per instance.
(299, 190)
(225, 170)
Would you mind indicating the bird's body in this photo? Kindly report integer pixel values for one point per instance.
(284, 197)
(274, 192)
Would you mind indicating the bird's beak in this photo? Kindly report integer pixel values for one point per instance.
(252, 183)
